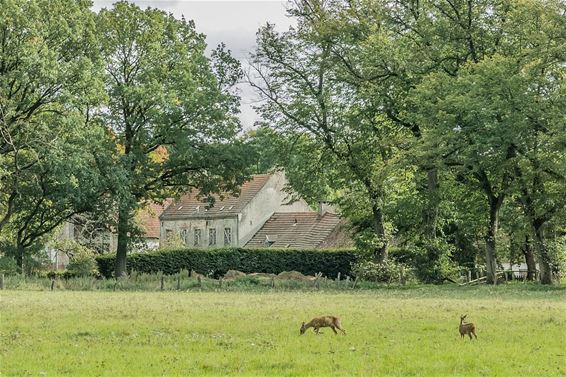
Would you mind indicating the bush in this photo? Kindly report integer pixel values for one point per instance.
(82, 260)
(59, 274)
(387, 272)
(8, 265)
(430, 260)
(216, 262)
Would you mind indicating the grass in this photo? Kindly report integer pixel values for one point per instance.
(408, 331)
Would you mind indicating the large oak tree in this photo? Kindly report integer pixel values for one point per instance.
(171, 109)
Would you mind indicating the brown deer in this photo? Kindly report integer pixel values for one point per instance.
(325, 321)
(467, 328)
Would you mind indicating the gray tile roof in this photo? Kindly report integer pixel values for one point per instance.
(301, 230)
(190, 207)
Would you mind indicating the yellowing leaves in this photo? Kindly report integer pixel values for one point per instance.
(159, 155)
(120, 149)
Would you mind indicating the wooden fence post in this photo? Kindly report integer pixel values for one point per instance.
(162, 283)
(199, 281)
(179, 281)
(273, 282)
(338, 277)
(355, 282)
(52, 283)
(317, 280)
(220, 282)
(1, 281)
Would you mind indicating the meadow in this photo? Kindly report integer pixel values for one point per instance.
(411, 331)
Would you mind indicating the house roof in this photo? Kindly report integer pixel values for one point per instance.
(189, 206)
(302, 230)
(148, 218)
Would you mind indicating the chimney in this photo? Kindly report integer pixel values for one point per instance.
(324, 207)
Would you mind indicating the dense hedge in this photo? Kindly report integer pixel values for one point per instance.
(216, 262)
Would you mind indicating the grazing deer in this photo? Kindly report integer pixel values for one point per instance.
(467, 328)
(325, 321)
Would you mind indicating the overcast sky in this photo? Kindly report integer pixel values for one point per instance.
(233, 22)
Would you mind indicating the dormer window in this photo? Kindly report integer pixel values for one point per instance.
(270, 240)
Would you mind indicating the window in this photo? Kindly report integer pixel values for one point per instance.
(197, 237)
(183, 235)
(227, 236)
(168, 234)
(212, 237)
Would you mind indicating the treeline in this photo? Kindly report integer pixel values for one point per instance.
(101, 113)
(437, 126)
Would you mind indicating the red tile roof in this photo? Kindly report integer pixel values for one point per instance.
(148, 218)
(188, 206)
(302, 230)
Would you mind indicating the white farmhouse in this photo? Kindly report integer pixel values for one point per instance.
(231, 221)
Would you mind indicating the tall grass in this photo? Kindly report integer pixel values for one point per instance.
(183, 282)
(411, 331)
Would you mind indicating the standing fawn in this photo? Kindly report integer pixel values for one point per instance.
(325, 321)
(467, 328)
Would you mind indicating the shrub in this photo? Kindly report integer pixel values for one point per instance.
(59, 274)
(82, 260)
(216, 262)
(387, 272)
(8, 265)
(430, 260)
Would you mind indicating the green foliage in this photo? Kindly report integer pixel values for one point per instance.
(216, 262)
(52, 148)
(389, 271)
(58, 274)
(367, 241)
(430, 260)
(8, 265)
(171, 108)
(81, 259)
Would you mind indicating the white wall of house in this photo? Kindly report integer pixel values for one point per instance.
(187, 230)
(271, 198)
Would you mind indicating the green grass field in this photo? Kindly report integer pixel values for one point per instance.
(391, 332)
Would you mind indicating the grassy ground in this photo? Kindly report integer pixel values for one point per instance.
(391, 332)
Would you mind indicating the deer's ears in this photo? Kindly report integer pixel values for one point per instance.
(303, 324)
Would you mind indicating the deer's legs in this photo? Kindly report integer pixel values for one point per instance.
(334, 329)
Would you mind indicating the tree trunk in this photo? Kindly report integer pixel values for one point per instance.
(544, 259)
(20, 257)
(529, 259)
(380, 254)
(491, 238)
(123, 240)
(431, 212)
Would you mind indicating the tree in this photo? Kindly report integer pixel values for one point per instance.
(170, 108)
(306, 101)
(50, 80)
(491, 121)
